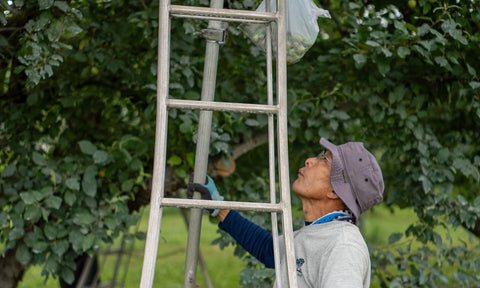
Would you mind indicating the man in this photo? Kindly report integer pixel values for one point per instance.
(335, 188)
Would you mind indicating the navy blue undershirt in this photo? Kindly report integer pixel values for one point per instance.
(253, 238)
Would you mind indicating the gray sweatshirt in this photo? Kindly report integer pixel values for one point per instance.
(329, 255)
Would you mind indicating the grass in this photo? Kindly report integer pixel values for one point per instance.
(223, 267)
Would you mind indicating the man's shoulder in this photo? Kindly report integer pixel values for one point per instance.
(332, 233)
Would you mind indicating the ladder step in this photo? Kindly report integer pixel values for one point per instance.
(232, 15)
(222, 106)
(210, 204)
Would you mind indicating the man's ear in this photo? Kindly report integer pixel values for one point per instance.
(332, 195)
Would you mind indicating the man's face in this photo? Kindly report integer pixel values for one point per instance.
(313, 180)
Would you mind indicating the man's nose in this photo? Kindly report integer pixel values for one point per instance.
(309, 161)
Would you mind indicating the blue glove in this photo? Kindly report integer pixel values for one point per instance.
(208, 191)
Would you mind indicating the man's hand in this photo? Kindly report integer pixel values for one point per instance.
(208, 191)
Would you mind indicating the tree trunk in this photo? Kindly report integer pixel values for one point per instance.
(474, 230)
(11, 271)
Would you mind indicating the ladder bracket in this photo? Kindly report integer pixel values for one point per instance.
(215, 35)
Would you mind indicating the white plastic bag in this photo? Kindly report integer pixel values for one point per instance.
(302, 27)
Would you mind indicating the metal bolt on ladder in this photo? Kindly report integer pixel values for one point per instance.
(216, 36)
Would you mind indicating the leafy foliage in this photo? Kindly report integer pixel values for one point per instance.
(77, 122)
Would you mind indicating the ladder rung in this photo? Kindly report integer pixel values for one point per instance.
(210, 204)
(232, 15)
(222, 106)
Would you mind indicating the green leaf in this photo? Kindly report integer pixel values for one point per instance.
(426, 184)
(221, 147)
(45, 4)
(448, 25)
(23, 255)
(180, 171)
(3, 20)
(474, 84)
(403, 52)
(88, 241)
(40, 247)
(54, 202)
(38, 159)
(3, 218)
(60, 247)
(360, 60)
(140, 236)
(76, 238)
(72, 30)
(100, 157)
(372, 43)
(67, 274)
(252, 123)
(383, 67)
(52, 264)
(50, 231)
(128, 185)
(62, 5)
(16, 233)
(136, 164)
(476, 202)
(30, 197)
(111, 222)
(174, 160)
(442, 62)
(386, 52)
(89, 182)
(73, 183)
(340, 115)
(87, 147)
(418, 132)
(9, 170)
(191, 159)
(462, 200)
(471, 70)
(32, 213)
(83, 218)
(394, 237)
(45, 192)
(443, 155)
(457, 35)
(466, 167)
(70, 198)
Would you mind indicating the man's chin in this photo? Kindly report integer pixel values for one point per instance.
(294, 186)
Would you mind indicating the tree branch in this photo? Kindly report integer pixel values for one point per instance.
(242, 148)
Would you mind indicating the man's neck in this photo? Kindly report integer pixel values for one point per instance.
(315, 209)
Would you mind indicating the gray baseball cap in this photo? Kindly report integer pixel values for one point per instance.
(356, 176)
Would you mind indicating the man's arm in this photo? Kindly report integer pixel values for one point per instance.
(253, 238)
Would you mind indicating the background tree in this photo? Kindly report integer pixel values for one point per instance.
(78, 113)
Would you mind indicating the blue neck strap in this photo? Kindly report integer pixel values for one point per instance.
(341, 215)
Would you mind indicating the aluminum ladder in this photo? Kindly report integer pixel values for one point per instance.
(216, 14)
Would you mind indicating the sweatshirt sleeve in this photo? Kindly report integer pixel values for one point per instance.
(253, 238)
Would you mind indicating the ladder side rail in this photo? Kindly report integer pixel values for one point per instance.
(222, 106)
(283, 144)
(271, 148)
(155, 217)
(202, 152)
